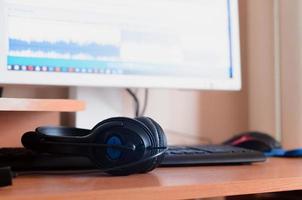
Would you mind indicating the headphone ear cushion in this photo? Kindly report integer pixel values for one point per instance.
(157, 136)
(155, 128)
(162, 139)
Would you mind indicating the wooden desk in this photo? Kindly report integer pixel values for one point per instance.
(163, 183)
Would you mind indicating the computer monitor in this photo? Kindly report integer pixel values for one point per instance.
(191, 44)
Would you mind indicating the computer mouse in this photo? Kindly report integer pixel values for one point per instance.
(255, 140)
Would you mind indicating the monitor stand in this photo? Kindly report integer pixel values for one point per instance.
(101, 103)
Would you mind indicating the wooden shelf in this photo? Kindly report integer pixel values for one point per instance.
(19, 115)
(277, 174)
(51, 105)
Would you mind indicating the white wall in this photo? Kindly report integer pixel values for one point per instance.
(291, 62)
(260, 65)
(219, 115)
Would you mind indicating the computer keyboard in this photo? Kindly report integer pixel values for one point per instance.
(21, 159)
(209, 155)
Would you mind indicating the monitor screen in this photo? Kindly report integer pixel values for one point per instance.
(191, 44)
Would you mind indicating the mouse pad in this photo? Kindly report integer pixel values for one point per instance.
(284, 153)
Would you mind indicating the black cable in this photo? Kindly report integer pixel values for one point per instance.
(146, 96)
(1, 91)
(136, 101)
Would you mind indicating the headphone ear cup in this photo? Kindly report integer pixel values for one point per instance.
(141, 132)
(159, 140)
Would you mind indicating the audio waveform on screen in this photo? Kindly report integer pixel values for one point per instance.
(62, 47)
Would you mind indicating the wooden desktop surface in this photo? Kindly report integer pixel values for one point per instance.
(276, 174)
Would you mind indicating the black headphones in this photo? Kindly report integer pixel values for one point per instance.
(118, 146)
